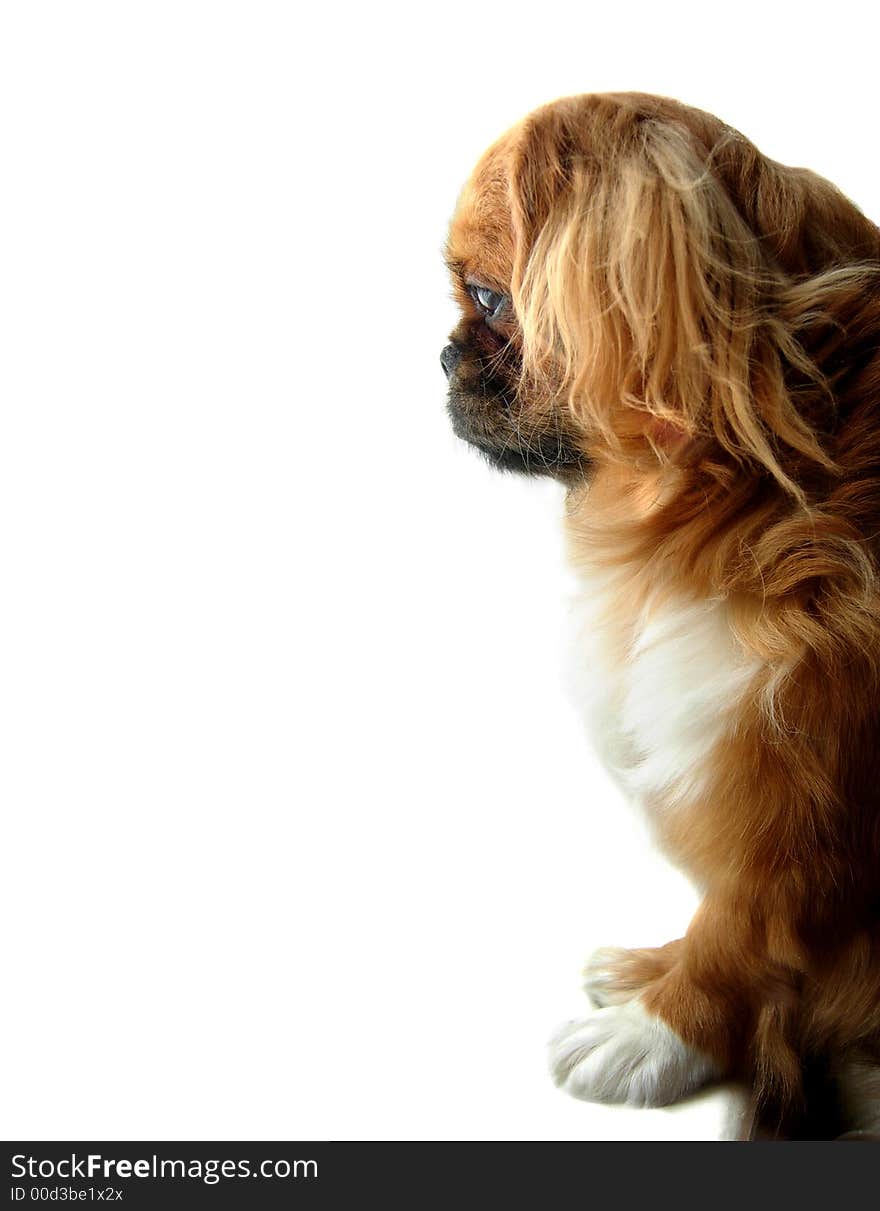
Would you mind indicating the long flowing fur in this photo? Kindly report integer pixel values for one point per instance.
(646, 286)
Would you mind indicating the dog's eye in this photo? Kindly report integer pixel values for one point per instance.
(490, 302)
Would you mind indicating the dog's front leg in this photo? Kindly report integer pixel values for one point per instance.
(674, 1019)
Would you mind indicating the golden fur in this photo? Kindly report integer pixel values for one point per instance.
(701, 325)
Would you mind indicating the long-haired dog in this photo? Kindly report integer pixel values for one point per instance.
(687, 333)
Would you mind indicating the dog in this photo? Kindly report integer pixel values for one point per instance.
(686, 334)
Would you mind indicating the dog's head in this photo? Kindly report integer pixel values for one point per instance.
(638, 283)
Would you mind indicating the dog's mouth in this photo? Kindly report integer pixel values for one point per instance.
(487, 410)
(500, 429)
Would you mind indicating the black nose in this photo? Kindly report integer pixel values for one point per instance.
(449, 358)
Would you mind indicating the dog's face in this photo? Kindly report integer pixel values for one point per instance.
(490, 404)
(621, 263)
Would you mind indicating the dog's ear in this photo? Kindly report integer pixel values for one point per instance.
(805, 224)
(640, 281)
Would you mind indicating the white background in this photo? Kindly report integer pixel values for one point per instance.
(302, 836)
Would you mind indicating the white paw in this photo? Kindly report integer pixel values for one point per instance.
(599, 977)
(624, 1054)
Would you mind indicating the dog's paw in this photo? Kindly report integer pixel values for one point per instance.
(602, 976)
(624, 1054)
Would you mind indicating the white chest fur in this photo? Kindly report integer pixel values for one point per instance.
(659, 686)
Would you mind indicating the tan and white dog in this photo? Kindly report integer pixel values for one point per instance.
(687, 334)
